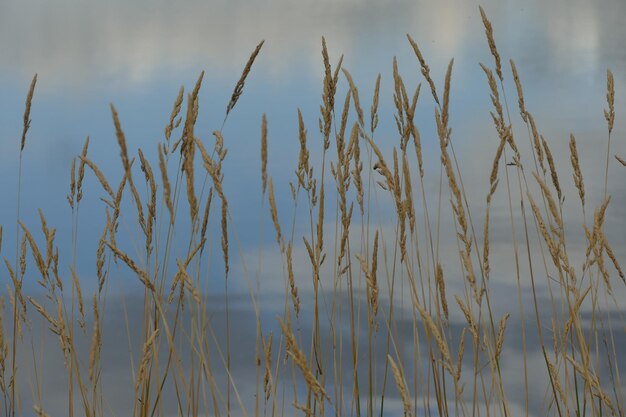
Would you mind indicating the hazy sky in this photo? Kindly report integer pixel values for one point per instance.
(137, 54)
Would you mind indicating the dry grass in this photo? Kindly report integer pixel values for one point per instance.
(246, 70)
(365, 297)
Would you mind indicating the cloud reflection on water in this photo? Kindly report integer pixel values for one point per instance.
(72, 43)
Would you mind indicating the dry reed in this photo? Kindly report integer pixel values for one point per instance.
(371, 279)
(39, 411)
(402, 388)
(554, 377)
(536, 141)
(81, 171)
(167, 189)
(553, 174)
(328, 95)
(188, 152)
(432, 328)
(175, 111)
(358, 168)
(147, 352)
(374, 107)
(187, 282)
(121, 140)
(72, 195)
(79, 296)
(612, 257)
(520, 91)
(355, 96)
(459, 362)
(246, 70)
(441, 286)
(500, 337)
(408, 192)
(27, 107)
(578, 176)
(99, 175)
(609, 113)
(274, 213)
(141, 274)
(491, 41)
(554, 210)
(446, 94)
(300, 360)
(344, 116)
(424, 68)
(469, 317)
(552, 246)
